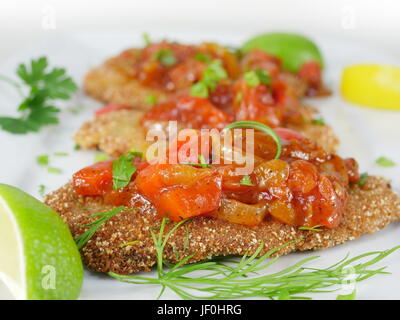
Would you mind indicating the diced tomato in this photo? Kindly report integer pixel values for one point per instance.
(288, 134)
(311, 73)
(260, 59)
(256, 104)
(111, 108)
(194, 112)
(180, 191)
(94, 180)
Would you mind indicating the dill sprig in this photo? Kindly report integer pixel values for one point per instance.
(227, 278)
(82, 239)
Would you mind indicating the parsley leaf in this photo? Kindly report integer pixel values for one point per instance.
(214, 73)
(199, 89)
(319, 121)
(254, 77)
(42, 160)
(166, 57)
(151, 99)
(385, 162)
(99, 157)
(363, 178)
(123, 169)
(45, 86)
(202, 57)
(246, 181)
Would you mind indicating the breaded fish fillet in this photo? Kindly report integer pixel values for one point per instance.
(117, 132)
(371, 207)
(110, 83)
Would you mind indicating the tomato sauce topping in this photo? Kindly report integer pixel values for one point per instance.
(305, 187)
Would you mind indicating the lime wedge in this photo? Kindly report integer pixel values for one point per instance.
(38, 256)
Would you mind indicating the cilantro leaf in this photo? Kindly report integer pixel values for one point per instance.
(166, 57)
(214, 73)
(45, 86)
(385, 162)
(246, 181)
(254, 77)
(318, 121)
(122, 170)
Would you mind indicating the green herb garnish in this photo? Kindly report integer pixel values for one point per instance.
(261, 127)
(385, 162)
(45, 86)
(238, 98)
(363, 178)
(128, 243)
(42, 160)
(146, 39)
(199, 89)
(254, 77)
(225, 278)
(246, 181)
(82, 239)
(166, 57)
(61, 154)
(42, 190)
(319, 121)
(100, 157)
(151, 99)
(202, 57)
(122, 170)
(313, 228)
(54, 170)
(214, 73)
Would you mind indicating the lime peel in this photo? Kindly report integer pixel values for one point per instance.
(38, 256)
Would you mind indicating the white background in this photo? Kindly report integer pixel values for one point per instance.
(88, 31)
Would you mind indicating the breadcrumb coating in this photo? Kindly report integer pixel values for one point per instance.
(117, 132)
(110, 83)
(371, 207)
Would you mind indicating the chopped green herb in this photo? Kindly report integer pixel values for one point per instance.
(42, 160)
(128, 243)
(37, 108)
(239, 97)
(214, 73)
(203, 57)
(363, 178)
(225, 278)
(246, 181)
(166, 57)
(82, 239)
(136, 153)
(54, 170)
(199, 89)
(122, 170)
(261, 127)
(101, 157)
(263, 76)
(203, 161)
(77, 147)
(313, 228)
(151, 99)
(61, 154)
(42, 190)
(146, 39)
(385, 162)
(319, 121)
(254, 77)
(251, 78)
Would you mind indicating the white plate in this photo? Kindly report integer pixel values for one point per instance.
(365, 134)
